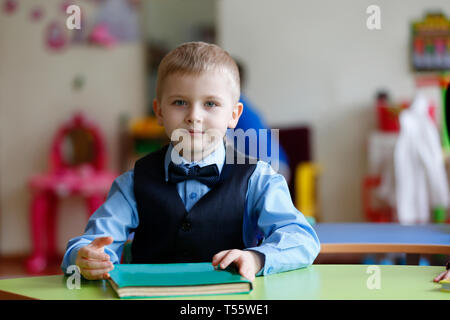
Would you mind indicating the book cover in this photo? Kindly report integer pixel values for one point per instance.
(176, 279)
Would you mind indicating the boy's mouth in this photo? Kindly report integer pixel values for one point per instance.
(195, 132)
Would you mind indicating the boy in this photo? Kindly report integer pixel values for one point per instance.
(186, 202)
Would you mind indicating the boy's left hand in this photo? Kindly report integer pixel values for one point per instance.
(442, 276)
(247, 262)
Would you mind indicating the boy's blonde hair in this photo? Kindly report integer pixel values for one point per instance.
(196, 58)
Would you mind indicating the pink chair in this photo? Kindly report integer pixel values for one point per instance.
(80, 172)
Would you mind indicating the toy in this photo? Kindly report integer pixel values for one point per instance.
(102, 36)
(388, 113)
(305, 185)
(375, 212)
(81, 172)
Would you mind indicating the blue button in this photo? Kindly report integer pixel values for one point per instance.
(193, 195)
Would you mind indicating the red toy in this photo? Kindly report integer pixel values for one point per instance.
(373, 213)
(389, 114)
(65, 178)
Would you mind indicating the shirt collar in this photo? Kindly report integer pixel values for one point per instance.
(217, 157)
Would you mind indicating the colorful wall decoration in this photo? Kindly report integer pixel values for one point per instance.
(111, 22)
(431, 43)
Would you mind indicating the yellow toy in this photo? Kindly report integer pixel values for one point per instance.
(305, 187)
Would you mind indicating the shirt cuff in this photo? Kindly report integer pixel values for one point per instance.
(112, 255)
(70, 257)
(268, 260)
(277, 260)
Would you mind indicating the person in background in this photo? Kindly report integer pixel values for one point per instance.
(252, 119)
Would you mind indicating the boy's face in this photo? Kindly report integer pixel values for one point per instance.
(199, 108)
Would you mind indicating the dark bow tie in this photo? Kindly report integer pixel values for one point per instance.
(208, 175)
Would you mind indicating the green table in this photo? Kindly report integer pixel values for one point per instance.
(322, 282)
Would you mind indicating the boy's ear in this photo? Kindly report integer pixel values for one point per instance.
(235, 115)
(157, 111)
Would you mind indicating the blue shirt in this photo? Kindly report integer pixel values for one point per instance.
(289, 241)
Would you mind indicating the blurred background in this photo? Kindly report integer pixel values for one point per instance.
(334, 77)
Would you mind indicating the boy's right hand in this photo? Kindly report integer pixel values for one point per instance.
(92, 260)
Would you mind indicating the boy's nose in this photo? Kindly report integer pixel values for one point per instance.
(194, 115)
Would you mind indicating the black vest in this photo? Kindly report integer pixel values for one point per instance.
(167, 233)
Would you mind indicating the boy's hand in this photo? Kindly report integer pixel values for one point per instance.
(248, 262)
(443, 276)
(93, 262)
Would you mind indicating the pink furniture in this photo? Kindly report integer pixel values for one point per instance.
(85, 177)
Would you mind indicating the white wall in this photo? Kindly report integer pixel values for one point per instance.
(315, 62)
(36, 97)
(171, 21)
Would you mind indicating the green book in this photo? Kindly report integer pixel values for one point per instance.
(175, 279)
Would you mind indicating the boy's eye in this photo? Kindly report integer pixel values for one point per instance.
(179, 102)
(210, 104)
